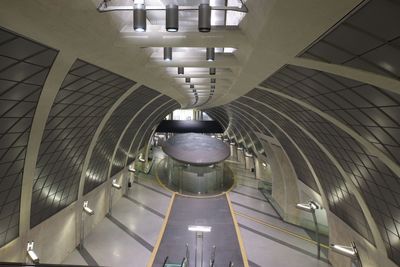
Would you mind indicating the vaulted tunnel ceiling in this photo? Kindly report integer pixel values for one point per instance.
(321, 78)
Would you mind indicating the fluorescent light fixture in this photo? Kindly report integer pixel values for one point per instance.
(311, 206)
(139, 17)
(204, 21)
(348, 251)
(191, 86)
(181, 70)
(167, 53)
(199, 228)
(131, 169)
(232, 143)
(171, 18)
(187, 80)
(213, 80)
(86, 208)
(240, 148)
(212, 71)
(248, 155)
(210, 53)
(264, 164)
(32, 255)
(115, 185)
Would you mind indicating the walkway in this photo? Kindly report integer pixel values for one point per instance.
(214, 212)
(128, 237)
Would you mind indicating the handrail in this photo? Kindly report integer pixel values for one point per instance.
(165, 261)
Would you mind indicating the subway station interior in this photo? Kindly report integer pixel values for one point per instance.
(200, 133)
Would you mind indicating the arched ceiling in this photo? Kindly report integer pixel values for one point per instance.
(271, 34)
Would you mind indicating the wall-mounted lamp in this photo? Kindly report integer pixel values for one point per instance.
(31, 253)
(264, 164)
(167, 53)
(131, 168)
(171, 18)
(86, 208)
(204, 22)
(115, 185)
(181, 70)
(139, 17)
(210, 53)
(348, 251)
(310, 207)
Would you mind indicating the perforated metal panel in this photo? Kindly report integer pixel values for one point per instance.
(247, 128)
(370, 111)
(24, 66)
(369, 39)
(99, 163)
(122, 152)
(145, 128)
(299, 164)
(85, 96)
(341, 201)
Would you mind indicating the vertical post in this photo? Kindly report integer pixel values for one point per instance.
(110, 200)
(187, 255)
(317, 233)
(82, 230)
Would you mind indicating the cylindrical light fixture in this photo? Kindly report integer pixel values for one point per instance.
(212, 71)
(210, 54)
(204, 18)
(181, 70)
(187, 80)
(191, 86)
(167, 53)
(171, 18)
(139, 17)
(213, 80)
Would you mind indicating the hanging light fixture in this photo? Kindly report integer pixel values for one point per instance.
(204, 18)
(167, 53)
(139, 17)
(212, 71)
(171, 18)
(187, 80)
(210, 54)
(213, 80)
(181, 70)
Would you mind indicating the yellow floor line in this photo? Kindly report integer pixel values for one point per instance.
(160, 235)
(279, 229)
(239, 236)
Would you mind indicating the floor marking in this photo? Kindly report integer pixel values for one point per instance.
(239, 236)
(283, 243)
(140, 204)
(259, 211)
(151, 188)
(143, 242)
(250, 196)
(87, 257)
(279, 229)
(160, 235)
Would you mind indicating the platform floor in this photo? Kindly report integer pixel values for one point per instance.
(128, 238)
